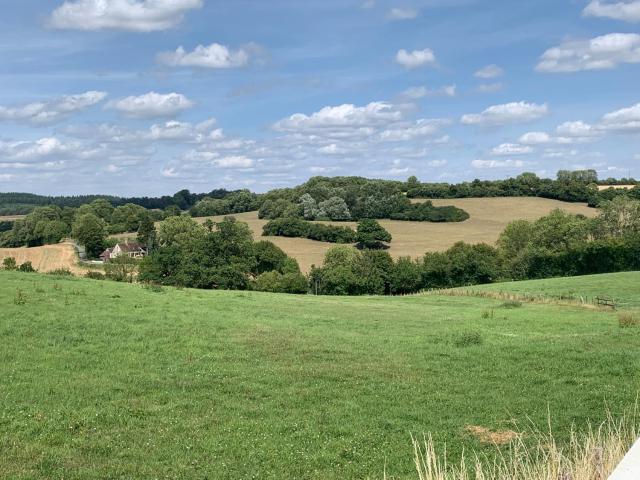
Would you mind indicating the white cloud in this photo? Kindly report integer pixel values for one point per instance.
(347, 115)
(403, 13)
(600, 53)
(510, 113)
(323, 169)
(628, 11)
(415, 93)
(490, 71)
(152, 104)
(368, 4)
(488, 164)
(535, 138)
(212, 56)
(623, 120)
(508, 149)
(129, 15)
(577, 130)
(332, 149)
(39, 149)
(169, 172)
(416, 58)
(234, 161)
(52, 111)
(420, 129)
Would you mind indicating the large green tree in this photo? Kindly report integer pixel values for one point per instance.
(372, 235)
(90, 230)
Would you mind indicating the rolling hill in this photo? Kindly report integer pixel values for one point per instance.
(108, 380)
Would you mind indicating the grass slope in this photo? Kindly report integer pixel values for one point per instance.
(106, 380)
(623, 287)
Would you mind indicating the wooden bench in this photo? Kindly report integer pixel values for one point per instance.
(606, 302)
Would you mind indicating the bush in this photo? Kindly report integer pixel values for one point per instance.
(95, 275)
(26, 267)
(9, 263)
(277, 282)
(405, 276)
(121, 269)
(61, 272)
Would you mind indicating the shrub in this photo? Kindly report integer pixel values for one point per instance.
(9, 263)
(95, 275)
(628, 320)
(26, 267)
(61, 272)
(405, 277)
(121, 269)
(468, 339)
(277, 282)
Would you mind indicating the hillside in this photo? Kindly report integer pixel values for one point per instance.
(108, 380)
(623, 287)
(489, 217)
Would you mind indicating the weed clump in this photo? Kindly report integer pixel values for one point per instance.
(487, 314)
(93, 275)
(511, 304)
(468, 339)
(20, 298)
(628, 320)
(153, 287)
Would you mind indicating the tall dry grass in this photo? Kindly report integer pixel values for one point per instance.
(589, 455)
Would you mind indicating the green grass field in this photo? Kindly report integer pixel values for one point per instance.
(624, 288)
(105, 380)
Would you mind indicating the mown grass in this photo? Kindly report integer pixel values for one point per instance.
(105, 380)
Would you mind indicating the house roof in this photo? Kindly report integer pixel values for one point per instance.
(106, 252)
(131, 247)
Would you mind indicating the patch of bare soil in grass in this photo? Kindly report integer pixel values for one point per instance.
(494, 437)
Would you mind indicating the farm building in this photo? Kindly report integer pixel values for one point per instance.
(130, 249)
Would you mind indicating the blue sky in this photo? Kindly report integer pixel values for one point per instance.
(146, 97)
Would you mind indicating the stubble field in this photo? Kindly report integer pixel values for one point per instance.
(489, 217)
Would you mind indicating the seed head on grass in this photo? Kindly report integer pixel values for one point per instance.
(592, 454)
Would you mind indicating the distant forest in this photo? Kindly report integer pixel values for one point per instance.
(327, 197)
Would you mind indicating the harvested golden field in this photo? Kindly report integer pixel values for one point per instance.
(11, 218)
(46, 258)
(489, 216)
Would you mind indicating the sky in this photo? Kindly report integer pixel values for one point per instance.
(147, 97)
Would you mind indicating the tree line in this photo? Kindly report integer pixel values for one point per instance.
(90, 225)
(223, 255)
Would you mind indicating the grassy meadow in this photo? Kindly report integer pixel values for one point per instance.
(107, 380)
(623, 288)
